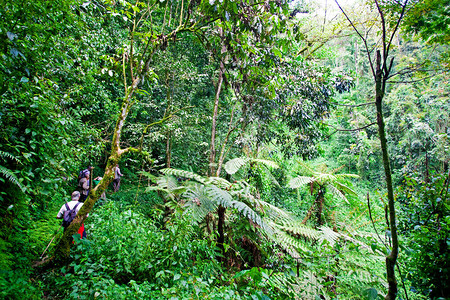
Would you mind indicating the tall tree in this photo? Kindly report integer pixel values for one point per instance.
(381, 66)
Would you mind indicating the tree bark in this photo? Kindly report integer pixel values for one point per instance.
(212, 151)
(391, 259)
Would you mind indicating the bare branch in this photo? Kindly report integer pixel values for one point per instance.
(362, 38)
(348, 130)
(352, 105)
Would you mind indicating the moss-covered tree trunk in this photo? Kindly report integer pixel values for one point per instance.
(62, 249)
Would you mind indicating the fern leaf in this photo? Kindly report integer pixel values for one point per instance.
(199, 203)
(345, 188)
(300, 181)
(219, 182)
(184, 174)
(8, 155)
(232, 166)
(167, 182)
(272, 178)
(275, 213)
(337, 193)
(11, 177)
(220, 196)
(295, 227)
(148, 175)
(265, 162)
(329, 235)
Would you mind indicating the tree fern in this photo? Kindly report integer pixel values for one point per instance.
(184, 174)
(234, 165)
(8, 174)
(199, 202)
(300, 181)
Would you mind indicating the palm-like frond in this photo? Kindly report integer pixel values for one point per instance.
(344, 188)
(265, 162)
(222, 197)
(271, 177)
(306, 168)
(235, 164)
(329, 235)
(12, 178)
(220, 182)
(199, 202)
(300, 181)
(275, 213)
(8, 155)
(296, 228)
(184, 174)
(337, 193)
(168, 184)
(150, 176)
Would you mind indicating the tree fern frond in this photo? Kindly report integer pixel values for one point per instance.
(8, 155)
(306, 167)
(324, 177)
(184, 174)
(222, 197)
(232, 166)
(329, 235)
(249, 213)
(345, 188)
(220, 182)
(12, 177)
(300, 181)
(289, 243)
(334, 171)
(235, 164)
(275, 213)
(265, 162)
(167, 182)
(272, 178)
(337, 193)
(199, 203)
(295, 227)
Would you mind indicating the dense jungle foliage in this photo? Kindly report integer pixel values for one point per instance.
(270, 149)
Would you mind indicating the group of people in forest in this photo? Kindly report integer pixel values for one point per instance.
(80, 195)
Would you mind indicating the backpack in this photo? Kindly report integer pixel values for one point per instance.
(82, 174)
(69, 215)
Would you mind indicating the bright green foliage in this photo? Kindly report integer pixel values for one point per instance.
(430, 20)
(321, 181)
(424, 218)
(130, 256)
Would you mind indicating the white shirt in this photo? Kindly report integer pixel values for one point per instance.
(71, 205)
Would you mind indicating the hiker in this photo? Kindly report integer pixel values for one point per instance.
(83, 186)
(82, 173)
(116, 181)
(73, 204)
(97, 181)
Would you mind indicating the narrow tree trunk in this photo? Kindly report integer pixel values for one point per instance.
(391, 259)
(320, 201)
(168, 149)
(212, 154)
(220, 227)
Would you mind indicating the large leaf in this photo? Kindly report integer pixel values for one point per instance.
(184, 174)
(300, 181)
(232, 166)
